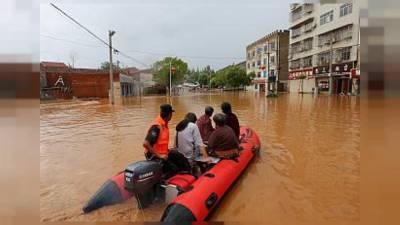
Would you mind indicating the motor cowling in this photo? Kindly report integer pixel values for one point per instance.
(140, 177)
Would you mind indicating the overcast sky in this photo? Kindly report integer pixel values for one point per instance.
(206, 32)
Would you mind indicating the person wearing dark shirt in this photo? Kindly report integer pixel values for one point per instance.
(204, 124)
(223, 142)
(231, 119)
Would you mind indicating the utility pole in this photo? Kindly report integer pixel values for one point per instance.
(110, 34)
(330, 65)
(170, 77)
(268, 72)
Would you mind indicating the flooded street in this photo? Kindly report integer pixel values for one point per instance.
(308, 169)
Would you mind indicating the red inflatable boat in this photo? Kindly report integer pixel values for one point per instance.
(190, 199)
(205, 192)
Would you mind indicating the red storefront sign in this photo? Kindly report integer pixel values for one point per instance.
(293, 75)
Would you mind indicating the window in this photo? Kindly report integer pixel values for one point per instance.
(254, 64)
(258, 62)
(338, 35)
(307, 62)
(248, 55)
(295, 64)
(248, 65)
(265, 61)
(256, 86)
(259, 51)
(296, 32)
(295, 15)
(343, 54)
(323, 58)
(295, 48)
(272, 59)
(308, 44)
(309, 27)
(326, 18)
(346, 9)
(254, 53)
(272, 45)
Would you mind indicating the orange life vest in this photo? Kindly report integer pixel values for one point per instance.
(161, 145)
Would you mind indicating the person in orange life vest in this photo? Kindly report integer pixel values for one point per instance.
(157, 140)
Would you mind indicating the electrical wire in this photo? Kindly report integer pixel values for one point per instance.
(95, 36)
(70, 41)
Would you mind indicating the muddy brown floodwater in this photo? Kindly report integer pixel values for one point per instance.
(308, 169)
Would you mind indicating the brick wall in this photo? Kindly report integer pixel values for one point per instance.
(82, 85)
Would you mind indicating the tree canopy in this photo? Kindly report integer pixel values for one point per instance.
(201, 76)
(161, 71)
(232, 76)
(106, 66)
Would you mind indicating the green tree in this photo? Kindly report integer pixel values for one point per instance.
(161, 71)
(219, 80)
(193, 76)
(252, 75)
(236, 77)
(205, 75)
(106, 66)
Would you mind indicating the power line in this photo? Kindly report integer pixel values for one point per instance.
(95, 36)
(124, 54)
(76, 22)
(130, 57)
(70, 41)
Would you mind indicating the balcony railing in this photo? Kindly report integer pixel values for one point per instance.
(297, 14)
(297, 32)
(308, 8)
(309, 27)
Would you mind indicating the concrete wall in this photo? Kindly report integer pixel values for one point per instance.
(294, 86)
(146, 79)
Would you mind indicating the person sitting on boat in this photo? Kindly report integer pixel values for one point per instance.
(231, 119)
(223, 142)
(188, 139)
(204, 124)
(157, 140)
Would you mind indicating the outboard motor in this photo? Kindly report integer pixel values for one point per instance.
(143, 179)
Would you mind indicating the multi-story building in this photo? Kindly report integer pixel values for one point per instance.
(324, 46)
(268, 59)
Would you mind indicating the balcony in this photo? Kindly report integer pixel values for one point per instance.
(308, 8)
(295, 16)
(300, 11)
(309, 27)
(297, 32)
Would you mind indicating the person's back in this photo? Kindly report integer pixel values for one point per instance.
(233, 122)
(223, 142)
(204, 124)
(188, 141)
(231, 119)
